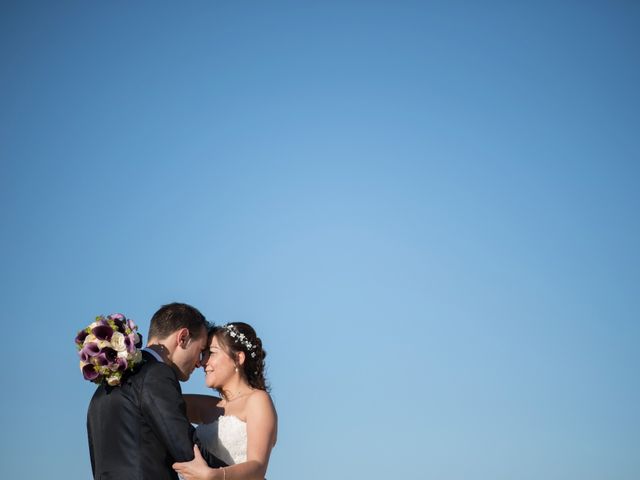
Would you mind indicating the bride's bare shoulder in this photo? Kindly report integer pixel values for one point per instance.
(260, 400)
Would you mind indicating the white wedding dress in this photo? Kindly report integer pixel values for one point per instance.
(226, 438)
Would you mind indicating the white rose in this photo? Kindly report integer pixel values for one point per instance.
(117, 342)
(93, 325)
(90, 338)
(113, 380)
(123, 354)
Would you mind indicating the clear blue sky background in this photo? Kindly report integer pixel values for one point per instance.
(428, 210)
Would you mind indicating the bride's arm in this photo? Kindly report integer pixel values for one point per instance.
(201, 408)
(261, 437)
(262, 426)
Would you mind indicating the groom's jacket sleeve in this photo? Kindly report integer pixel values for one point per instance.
(164, 408)
(212, 461)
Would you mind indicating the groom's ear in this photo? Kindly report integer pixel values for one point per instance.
(182, 337)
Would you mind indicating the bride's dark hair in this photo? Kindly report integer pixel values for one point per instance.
(253, 367)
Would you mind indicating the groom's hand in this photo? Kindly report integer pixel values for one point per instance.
(212, 460)
(196, 468)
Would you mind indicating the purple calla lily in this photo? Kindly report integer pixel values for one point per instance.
(103, 332)
(128, 342)
(106, 357)
(82, 334)
(110, 353)
(120, 325)
(120, 321)
(91, 349)
(122, 364)
(89, 372)
(101, 360)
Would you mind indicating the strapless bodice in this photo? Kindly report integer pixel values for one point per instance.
(226, 438)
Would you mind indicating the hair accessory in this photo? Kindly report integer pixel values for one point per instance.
(240, 338)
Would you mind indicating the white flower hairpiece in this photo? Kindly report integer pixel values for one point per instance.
(240, 338)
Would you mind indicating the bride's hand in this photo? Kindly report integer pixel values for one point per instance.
(196, 469)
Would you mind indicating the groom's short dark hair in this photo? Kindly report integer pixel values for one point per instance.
(175, 316)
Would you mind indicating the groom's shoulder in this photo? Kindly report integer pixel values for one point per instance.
(152, 368)
(149, 368)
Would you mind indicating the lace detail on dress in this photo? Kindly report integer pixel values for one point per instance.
(226, 438)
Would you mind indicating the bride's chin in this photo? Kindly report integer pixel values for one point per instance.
(211, 384)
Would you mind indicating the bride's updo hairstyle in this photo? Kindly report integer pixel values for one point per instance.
(238, 337)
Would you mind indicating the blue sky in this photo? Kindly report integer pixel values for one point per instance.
(428, 210)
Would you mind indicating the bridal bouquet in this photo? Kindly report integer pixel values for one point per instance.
(108, 348)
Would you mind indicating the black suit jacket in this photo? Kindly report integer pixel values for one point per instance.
(138, 429)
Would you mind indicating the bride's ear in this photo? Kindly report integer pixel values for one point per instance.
(240, 358)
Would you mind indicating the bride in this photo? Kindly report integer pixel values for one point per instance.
(239, 427)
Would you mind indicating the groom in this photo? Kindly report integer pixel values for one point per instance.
(137, 430)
